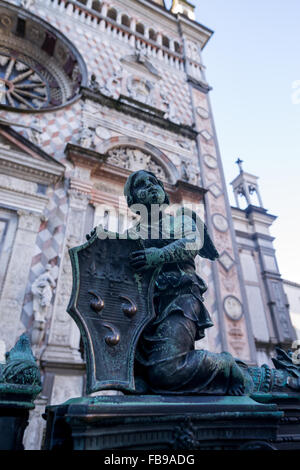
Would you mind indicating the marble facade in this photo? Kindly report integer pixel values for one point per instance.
(140, 100)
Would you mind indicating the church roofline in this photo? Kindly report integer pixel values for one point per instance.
(183, 20)
(30, 146)
(291, 283)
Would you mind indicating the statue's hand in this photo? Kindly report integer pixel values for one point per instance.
(145, 259)
(90, 235)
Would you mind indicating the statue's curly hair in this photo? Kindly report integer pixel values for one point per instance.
(128, 193)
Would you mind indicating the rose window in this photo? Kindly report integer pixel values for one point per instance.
(40, 69)
(21, 86)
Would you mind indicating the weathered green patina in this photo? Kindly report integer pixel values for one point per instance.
(20, 379)
(20, 383)
(139, 304)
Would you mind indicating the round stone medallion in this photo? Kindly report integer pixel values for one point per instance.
(220, 222)
(210, 161)
(102, 133)
(233, 308)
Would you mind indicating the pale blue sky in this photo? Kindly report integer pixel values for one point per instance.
(252, 60)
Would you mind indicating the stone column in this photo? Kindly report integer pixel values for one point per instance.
(64, 335)
(17, 275)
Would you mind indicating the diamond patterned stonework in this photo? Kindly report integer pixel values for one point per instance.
(206, 135)
(215, 190)
(226, 261)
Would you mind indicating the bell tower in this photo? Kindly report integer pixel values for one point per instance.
(245, 185)
(268, 305)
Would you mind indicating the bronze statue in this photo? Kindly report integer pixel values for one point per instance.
(167, 361)
(139, 304)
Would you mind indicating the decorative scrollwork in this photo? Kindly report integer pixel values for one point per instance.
(131, 310)
(97, 306)
(114, 337)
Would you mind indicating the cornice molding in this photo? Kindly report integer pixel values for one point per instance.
(25, 167)
(131, 109)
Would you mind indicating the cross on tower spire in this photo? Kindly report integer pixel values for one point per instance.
(239, 163)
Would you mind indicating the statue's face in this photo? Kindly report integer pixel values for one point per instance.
(147, 190)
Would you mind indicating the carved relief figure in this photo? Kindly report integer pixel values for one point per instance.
(112, 85)
(189, 173)
(170, 110)
(42, 294)
(140, 89)
(87, 137)
(135, 159)
(42, 290)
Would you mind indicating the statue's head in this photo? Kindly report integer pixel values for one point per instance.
(143, 187)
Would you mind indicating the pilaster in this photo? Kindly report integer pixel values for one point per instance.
(64, 336)
(17, 274)
(234, 321)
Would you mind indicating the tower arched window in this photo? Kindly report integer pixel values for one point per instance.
(152, 35)
(112, 14)
(125, 21)
(140, 28)
(96, 5)
(177, 47)
(166, 42)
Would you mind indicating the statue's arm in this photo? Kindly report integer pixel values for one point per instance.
(181, 249)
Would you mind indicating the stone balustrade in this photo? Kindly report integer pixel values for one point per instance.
(129, 30)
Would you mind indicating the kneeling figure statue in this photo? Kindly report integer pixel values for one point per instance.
(166, 359)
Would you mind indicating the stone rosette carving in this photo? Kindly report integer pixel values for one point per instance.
(233, 307)
(210, 161)
(220, 222)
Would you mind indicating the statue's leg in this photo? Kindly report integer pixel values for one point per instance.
(175, 366)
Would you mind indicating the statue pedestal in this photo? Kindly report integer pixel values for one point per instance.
(153, 422)
(288, 436)
(15, 403)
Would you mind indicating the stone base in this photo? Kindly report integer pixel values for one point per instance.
(13, 423)
(15, 403)
(55, 354)
(288, 436)
(161, 423)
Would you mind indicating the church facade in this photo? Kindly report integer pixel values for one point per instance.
(90, 91)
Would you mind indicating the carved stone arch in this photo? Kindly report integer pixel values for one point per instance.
(134, 154)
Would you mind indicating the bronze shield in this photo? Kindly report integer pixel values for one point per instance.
(111, 305)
